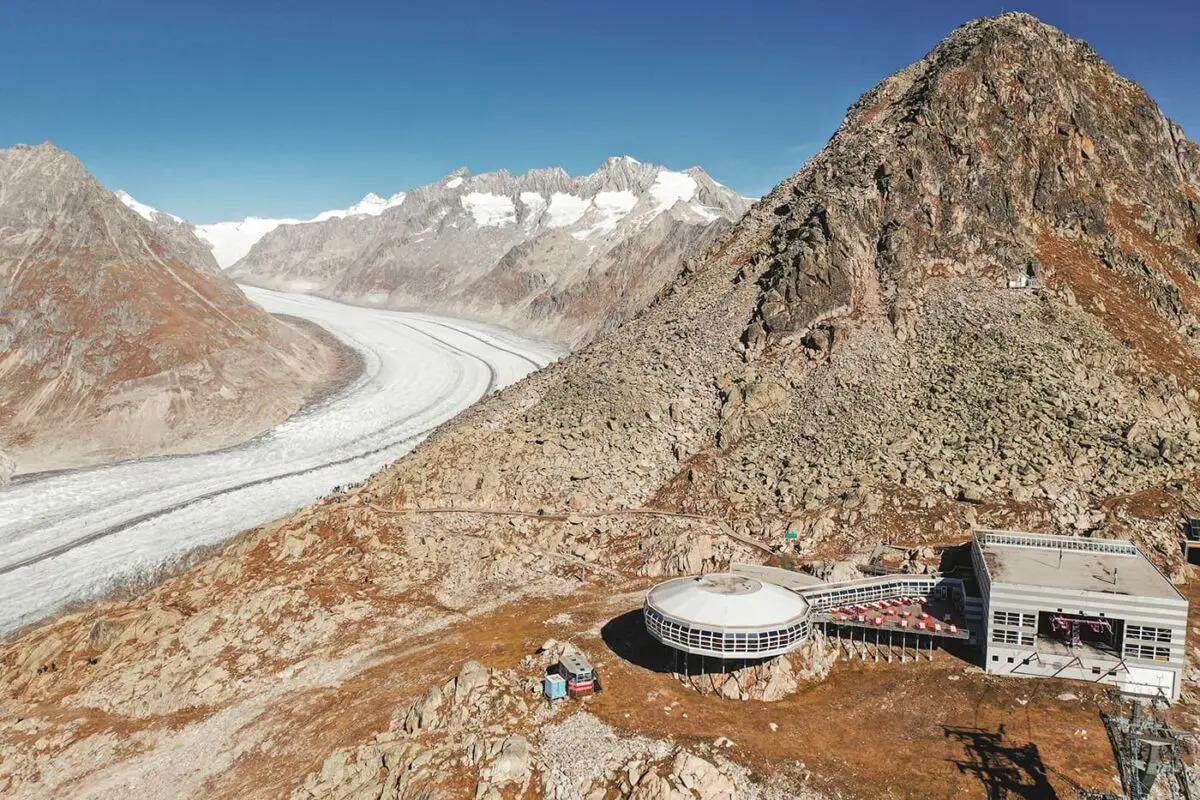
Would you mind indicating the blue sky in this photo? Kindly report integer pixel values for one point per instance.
(217, 110)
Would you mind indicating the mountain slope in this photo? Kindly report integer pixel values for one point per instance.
(542, 252)
(183, 235)
(851, 356)
(848, 362)
(119, 336)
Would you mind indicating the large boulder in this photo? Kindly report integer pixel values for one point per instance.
(472, 676)
(690, 778)
(702, 778)
(512, 764)
(769, 680)
(425, 711)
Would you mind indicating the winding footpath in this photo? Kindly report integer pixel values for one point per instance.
(70, 535)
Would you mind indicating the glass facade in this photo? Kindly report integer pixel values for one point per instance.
(725, 643)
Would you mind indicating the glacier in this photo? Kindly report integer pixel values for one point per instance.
(70, 536)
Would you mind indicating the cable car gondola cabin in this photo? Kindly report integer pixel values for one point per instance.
(578, 672)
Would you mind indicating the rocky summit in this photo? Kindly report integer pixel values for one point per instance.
(120, 337)
(975, 305)
(544, 252)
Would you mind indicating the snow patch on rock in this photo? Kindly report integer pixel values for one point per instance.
(609, 209)
(671, 187)
(566, 209)
(370, 206)
(536, 205)
(143, 210)
(489, 210)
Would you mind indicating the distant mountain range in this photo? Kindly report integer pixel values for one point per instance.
(544, 252)
(229, 241)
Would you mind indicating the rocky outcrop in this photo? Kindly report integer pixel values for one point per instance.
(575, 755)
(119, 337)
(689, 778)
(545, 253)
(770, 680)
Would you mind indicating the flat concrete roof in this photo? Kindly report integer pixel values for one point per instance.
(1067, 562)
(776, 575)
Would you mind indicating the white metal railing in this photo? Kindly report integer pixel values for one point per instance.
(1045, 541)
(867, 590)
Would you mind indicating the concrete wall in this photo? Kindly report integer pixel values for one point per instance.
(1023, 659)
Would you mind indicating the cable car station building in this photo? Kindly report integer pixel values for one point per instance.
(1035, 605)
(1086, 609)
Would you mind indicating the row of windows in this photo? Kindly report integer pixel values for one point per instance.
(1147, 651)
(1148, 634)
(1012, 637)
(1013, 618)
(727, 642)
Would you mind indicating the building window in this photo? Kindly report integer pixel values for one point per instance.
(1148, 652)
(1014, 619)
(1009, 618)
(995, 658)
(1010, 659)
(1095, 670)
(1148, 634)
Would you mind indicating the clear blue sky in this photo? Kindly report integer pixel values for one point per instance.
(219, 109)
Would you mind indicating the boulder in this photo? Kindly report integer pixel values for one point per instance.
(426, 711)
(512, 764)
(703, 779)
(472, 676)
(656, 787)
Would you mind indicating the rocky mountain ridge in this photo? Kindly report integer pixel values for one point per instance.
(183, 234)
(226, 242)
(121, 337)
(544, 252)
(861, 359)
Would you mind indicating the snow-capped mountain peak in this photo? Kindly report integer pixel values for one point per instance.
(372, 205)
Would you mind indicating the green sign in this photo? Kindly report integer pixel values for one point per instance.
(791, 535)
